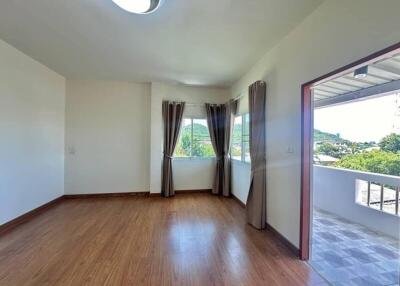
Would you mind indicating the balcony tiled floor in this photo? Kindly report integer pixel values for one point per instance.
(350, 254)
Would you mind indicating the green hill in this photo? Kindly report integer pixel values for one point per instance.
(321, 136)
(198, 130)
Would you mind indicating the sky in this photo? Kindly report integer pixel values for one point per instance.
(362, 121)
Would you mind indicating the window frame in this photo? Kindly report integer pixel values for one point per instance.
(242, 142)
(191, 157)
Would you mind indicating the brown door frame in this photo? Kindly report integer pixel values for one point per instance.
(306, 139)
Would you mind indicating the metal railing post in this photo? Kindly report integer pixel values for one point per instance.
(369, 194)
(397, 200)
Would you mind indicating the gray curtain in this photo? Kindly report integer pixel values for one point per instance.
(231, 109)
(216, 114)
(220, 119)
(172, 114)
(256, 200)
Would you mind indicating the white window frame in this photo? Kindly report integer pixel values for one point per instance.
(242, 143)
(191, 140)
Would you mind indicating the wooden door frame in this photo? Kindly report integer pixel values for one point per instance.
(306, 139)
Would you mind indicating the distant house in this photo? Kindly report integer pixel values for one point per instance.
(372, 148)
(325, 160)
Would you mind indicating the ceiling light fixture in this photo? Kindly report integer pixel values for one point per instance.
(361, 72)
(138, 6)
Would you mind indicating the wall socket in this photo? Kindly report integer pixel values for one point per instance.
(71, 150)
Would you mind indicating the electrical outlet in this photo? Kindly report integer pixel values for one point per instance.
(71, 150)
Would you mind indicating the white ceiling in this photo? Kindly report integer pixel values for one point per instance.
(197, 42)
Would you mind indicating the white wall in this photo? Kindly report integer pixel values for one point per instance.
(196, 174)
(192, 174)
(240, 180)
(32, 103)
(108, 127)
(334, 190)
(335, 34)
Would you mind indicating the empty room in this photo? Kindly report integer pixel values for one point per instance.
(213, 142)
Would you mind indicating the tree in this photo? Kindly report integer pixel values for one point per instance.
(332, 150)
(375, 161)
(199, 147)
(183, 146)
(390, 143)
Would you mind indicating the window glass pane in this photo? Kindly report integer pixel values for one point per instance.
(246, 145)
(201, 145)
(183, 146)
(236, 148)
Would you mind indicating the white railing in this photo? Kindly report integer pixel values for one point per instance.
(378, 196)
(366, 198)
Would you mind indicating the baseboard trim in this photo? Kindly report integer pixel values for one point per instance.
(105, 195)
(181, 192)
(154, 195)
(284, 240)
(242, 204)
(274, 232)
(28, 216)
(193, 191)
(130, 194)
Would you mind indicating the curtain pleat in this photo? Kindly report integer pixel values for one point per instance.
(220, 119)
(231, 109)
(256, 200)
(216, 114)
(172, 114)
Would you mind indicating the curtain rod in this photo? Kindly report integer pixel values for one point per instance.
(242, 94)
(195, 104)
(202, 104)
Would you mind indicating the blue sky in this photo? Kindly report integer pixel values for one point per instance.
(367, 120)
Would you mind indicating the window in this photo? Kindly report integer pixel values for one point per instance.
(240, 149)
(194, 140)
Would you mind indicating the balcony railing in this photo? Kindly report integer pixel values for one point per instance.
(366, 198)
(378, 196)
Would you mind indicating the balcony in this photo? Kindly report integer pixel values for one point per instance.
(356, 227)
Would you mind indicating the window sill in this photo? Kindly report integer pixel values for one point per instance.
(192, 158)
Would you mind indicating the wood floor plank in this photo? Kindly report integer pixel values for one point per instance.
(191, 239)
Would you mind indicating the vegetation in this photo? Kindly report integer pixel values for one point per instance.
(383, 158)
(201, 145)
(336, 151)
(320, 136)
(390, 143)
(375, 161)
(236, 149)
(337, 147)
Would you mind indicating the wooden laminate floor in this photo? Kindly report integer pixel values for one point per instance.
(191, 239)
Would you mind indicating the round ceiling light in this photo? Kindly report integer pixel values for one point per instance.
(139, 6)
